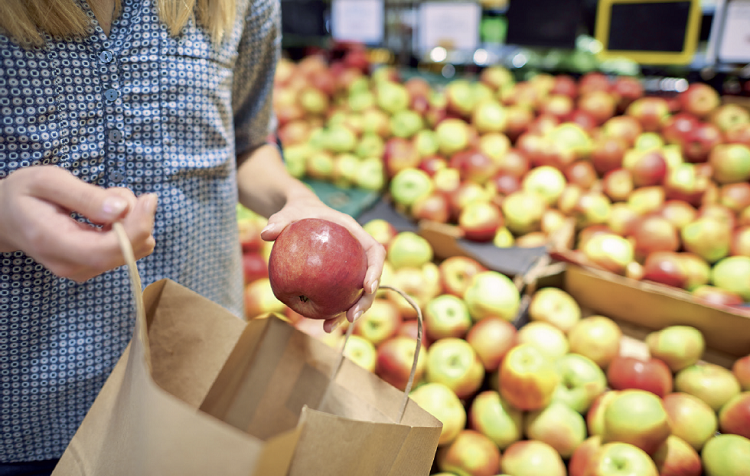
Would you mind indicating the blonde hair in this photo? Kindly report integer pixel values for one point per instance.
(26, 20)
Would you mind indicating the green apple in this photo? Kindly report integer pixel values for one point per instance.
(442, 403)
(495, 145)
(391, 97)
(527, 379)
(621, 459)
(581, 382)
(295, 159)
(426, 143)
(532, 458)
(733, 274)
(379, 322)
(454, 363)
(677, 346)
(596, 337)
(371, 175)
(381, 229)
(471, 453)
(319, 165)
(452, 135)
(637, 417)
(362, 352)
(523, 212)
(370, 145)
(503, 238)
(648, 141)
(345, 169)
(712, 383)
(548, 339)
(406, 123)
(546, 181)
(491, 293)
(489, 116)
(558, 425)
(408, 185)
(408, 249)
(726, 455)
(361, 101)
(339, 138)
(495, 418)
(556, 307)
(446, 315)
(690, 418)
(612, 252)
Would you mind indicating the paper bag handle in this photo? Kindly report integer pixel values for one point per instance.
(413, 372)
(135, 285)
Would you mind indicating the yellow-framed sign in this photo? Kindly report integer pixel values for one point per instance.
(649, 31)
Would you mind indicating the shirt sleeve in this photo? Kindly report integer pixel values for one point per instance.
(259, 50)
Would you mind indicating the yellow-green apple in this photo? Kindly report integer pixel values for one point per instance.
(362, 352)
(307, 273)
(700, 141)
(552, 221)
(581, 382)
(735, 196)
(421, 283)
(572, 136)
(491, 293)
(690, 418)
(618, 184)
(446, 180)
(313, 100)
(557, 105)
(621, 459)
(370, 145)
(683, 182)
(495, 145)
(406, 123)
(345, 169)
(396, 358)
(609, 251)
(665, 267)
(734, 416)
(492, 338)
(625, 128)
(593, 208)
(546, 181)
(408, 249)
(548, 339)
(452, 136)
(580, 460)
(442, 403)
(489, 116)
(409, 185)
(391, 97)
(729, 115)
(600, 104)
(699, 99)
(645, 200)
(259, 299)
(339, 138)
(581, 173)
(708, 238)
(651, 375)
(518, 119)
(596, 337)
(654, 233)
(637, 417)
(712, 383)
(523, 211)
(556, 307)
(456, 273)
(503, 238)
(381, 229)
(532, 458)
(738, 134)
(622, 219)
(726, 455)
(648, 167)
(254, 266)
(376, 121)
(319, 165)
(433, 207)
(454, 363)
(678, 212)
(470, 454)
(496, 76)
(399, 154)
(446, 315)
(595, 414)
(495, 418)
(535, 239)
(379, 322)
(716, 297)
(733, 274)
(677, 346)
(371, 175)
(527, 378)
(558, 425)
(460, 97)
(479, 221)
(741, 371)
(650, 111)
(466, 192)
(426, 143)
(719, 212)
(730, 163)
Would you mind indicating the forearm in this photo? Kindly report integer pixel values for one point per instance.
(264, 184)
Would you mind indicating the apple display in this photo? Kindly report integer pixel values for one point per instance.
(558, 425)
(396, 358)
(471, 453)
(492, 416)
(677, 346)
(532, 458)
(651, 375)
(527, 379)
(491, 293)
(734, 415)
(454, 363)
(441, 402)
(726, 455)
(636, 417)
(624, 128)
(581, 382)
(712, 383)
(596, 337)
(492, 338)
(446, 315)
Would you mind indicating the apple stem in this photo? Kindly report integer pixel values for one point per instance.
(304, 298)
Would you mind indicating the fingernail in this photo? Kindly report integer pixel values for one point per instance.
(357, 315)
(269, 227)
(334, 326)
(114, 205)
(374, 287)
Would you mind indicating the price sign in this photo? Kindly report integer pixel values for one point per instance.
(357, 20)
(735, 39)
(454, 26)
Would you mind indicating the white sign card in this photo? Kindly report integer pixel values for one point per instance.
(734, 46)
(357, 20)
(454, 26)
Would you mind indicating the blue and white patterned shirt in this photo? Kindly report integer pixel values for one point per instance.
(140, 109)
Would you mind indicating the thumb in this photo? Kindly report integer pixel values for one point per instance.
(276, 224)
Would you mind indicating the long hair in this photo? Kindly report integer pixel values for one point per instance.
(26, 20)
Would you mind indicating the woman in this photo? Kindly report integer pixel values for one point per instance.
(151, 112)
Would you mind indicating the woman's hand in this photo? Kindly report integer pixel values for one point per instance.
(35, 208)
(307, 205)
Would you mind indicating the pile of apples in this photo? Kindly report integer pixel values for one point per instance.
(561, 395)
(657, 187)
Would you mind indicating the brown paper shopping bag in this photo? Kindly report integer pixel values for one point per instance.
(200, 392)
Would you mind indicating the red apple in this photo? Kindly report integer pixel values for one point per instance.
(625, 128)
(651, 375)
(678, 126)
(399, 154)
(627, 89)
(581, 173)
(699, 99)
(254, 266)
(607, 154)
(504, 183)
(474, 165)
(479, 221)
(618, 184)
(492, 338)
(433, 207)
(582, 457)
(738, 134)
(518, 120)
(648, 168)
(515, 163)
(432, 163)
(651, 111)
(678, 212)
(249, 234)
(677, 458)
(557, 105)
(594, 81)
(734, 416)
(584, 119)
(307, 272)
(716, 296)
(665, 267)
(565, 85)
(600, 104)
(396, 358)
(654, 233)
(700, 141)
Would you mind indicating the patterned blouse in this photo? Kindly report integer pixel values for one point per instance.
(138, 109)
